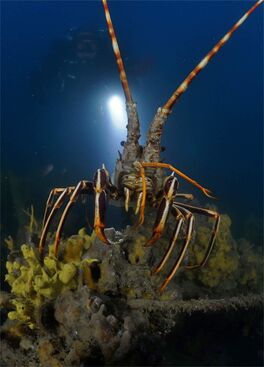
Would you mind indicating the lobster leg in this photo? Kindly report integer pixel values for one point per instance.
(53, 211)
(179, 220)
(209, 213)
(127, 198)
(100, 204)
(169, 191)
(190, 220)
(141, 202)
(170, 167)
(54, 192)
(184, 196)
(83, 186)
(100, 182)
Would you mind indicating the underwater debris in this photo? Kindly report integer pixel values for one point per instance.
(200, 305)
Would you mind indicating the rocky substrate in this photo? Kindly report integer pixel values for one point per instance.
(84, 329)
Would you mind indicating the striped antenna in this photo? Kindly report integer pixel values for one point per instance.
(187, 81)
(117, 53)
(151, 152)
(131, 150)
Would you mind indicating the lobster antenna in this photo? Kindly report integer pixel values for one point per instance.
(187, 81)
(131, 150)
(117, 53)
(152, 149)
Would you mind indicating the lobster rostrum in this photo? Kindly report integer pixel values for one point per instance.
(139, 173)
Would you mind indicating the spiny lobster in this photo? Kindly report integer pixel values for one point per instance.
(139, 173)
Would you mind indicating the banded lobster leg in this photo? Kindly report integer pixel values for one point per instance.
(81, 188)
(98, 187)
(141, 202)
(140, 166)
(173, 169)
(189, 218)
(208, 213)
(48, 217)
(179, 217)
(169, 192)
(53, 193)
(179, 210)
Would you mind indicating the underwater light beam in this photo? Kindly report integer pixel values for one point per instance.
(117, 112)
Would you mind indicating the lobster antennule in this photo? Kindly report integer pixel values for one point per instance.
(153, 146)
(117, 53)
(201, 65)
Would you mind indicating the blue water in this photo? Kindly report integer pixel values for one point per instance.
(56, 127)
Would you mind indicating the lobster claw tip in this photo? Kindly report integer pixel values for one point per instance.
(101, 235)
(153, 239)
(209, 194)
(155, 271)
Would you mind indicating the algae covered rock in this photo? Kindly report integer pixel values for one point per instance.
(98, 303)
(103, 325)
(33, 281)
(232, 266)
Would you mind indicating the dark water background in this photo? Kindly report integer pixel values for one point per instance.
(54, 113)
